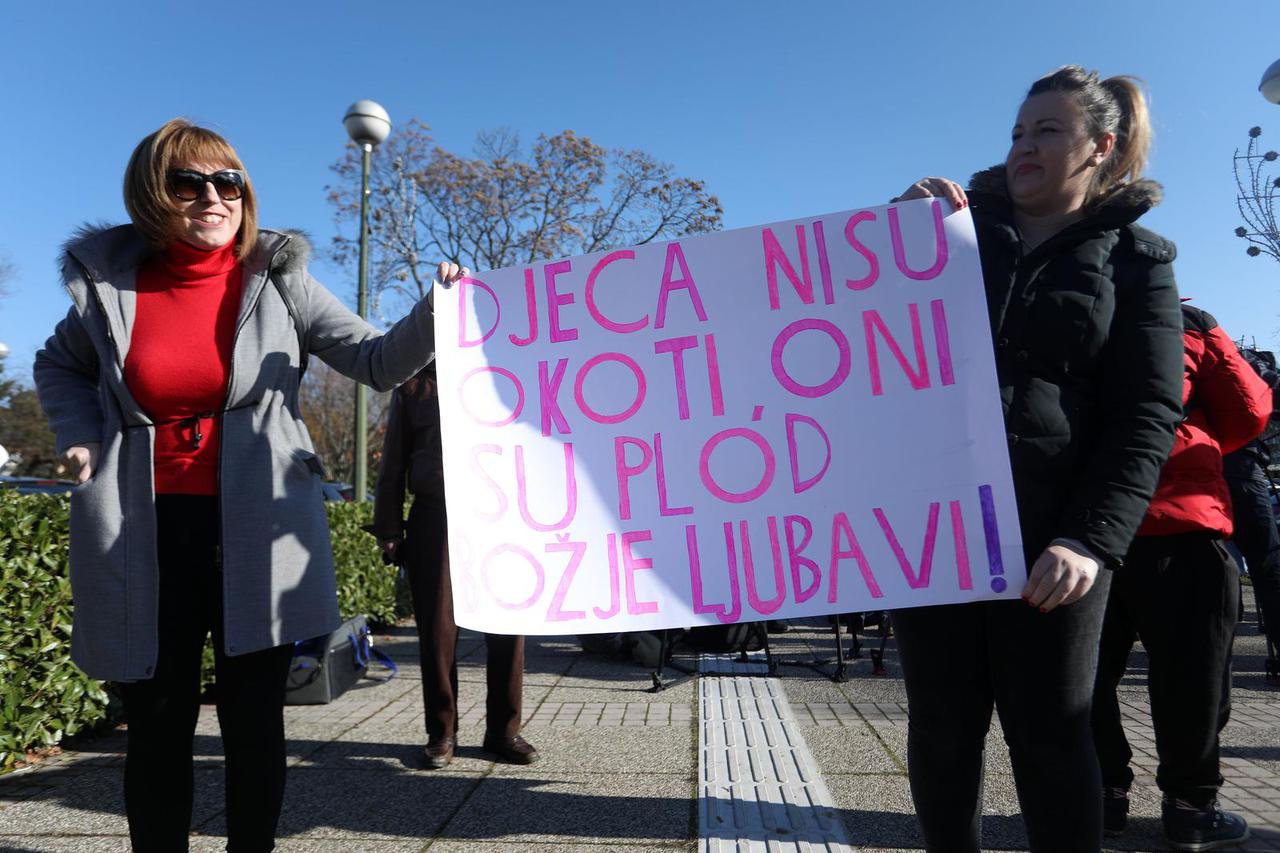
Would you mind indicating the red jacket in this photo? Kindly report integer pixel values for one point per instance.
(1227, 406)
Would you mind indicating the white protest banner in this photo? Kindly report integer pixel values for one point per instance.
(789, 420)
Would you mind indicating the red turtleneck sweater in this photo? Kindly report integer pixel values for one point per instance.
(179, 359)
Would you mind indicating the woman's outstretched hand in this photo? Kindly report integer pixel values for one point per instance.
(936, 188)
(448, 273)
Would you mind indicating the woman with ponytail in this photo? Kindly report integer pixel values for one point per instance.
(1087, 333)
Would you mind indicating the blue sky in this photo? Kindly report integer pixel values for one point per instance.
(785, 109)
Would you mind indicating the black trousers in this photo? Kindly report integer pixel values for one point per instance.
(1258, 540)
(426, 561)
(162, 711)
(1180, 595)
(1037, 669)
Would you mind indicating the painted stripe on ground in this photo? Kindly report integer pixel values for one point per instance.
(758, 786)
(733, 664)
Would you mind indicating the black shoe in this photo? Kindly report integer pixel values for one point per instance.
(1189, 828)
(515, 750)
(1272, 672)
(1115, 810)
(777, 626)
(439, 753)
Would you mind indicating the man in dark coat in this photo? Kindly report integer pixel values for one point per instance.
(412, 456)
(1179, 592)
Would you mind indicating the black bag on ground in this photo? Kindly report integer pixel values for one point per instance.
(721, 639)
(325, 667)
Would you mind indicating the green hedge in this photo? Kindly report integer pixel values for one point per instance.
(43, 696)
(365, 584)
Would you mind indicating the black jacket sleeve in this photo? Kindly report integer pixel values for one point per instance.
(1140, 402)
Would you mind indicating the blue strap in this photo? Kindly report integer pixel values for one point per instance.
(367, 652)
(360, 645)
(387, 663)
(380, 656)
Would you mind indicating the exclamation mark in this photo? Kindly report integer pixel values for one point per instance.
(992, 531)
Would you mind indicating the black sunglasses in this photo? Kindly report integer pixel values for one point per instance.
(188, 184)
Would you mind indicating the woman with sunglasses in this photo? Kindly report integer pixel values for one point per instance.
(172, 386)
(1087, 333)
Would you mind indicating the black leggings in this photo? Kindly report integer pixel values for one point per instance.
(162, 711)
(1037, 669)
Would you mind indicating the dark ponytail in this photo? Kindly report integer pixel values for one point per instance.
(1115, 105)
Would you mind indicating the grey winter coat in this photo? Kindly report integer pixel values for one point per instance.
(278, 577)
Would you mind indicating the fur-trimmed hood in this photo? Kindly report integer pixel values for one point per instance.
(276, 556)
(1126, 202)
(103, 249)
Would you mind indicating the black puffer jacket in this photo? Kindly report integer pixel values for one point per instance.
(1088, 339)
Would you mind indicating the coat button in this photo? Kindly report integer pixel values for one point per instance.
(231, 648)
(1013, 439)
(150, 670)
(1022, 355)
(1002, 343)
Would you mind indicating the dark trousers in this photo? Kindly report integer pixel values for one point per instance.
(426, 560)
(1258, 540)
(162, 711)
(1037, 669)
(1180, 595)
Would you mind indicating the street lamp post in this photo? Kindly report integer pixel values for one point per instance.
(367, 124)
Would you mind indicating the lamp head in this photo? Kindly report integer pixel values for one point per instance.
(367, 123)
(1270, 85)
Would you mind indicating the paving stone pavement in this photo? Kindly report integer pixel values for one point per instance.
(620, 764)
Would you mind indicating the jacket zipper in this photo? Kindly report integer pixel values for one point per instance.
(219, 548)
(194, 420)
(102, 309)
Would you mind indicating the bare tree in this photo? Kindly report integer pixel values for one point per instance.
(6, 275)
(327, 401)
(505, 206)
